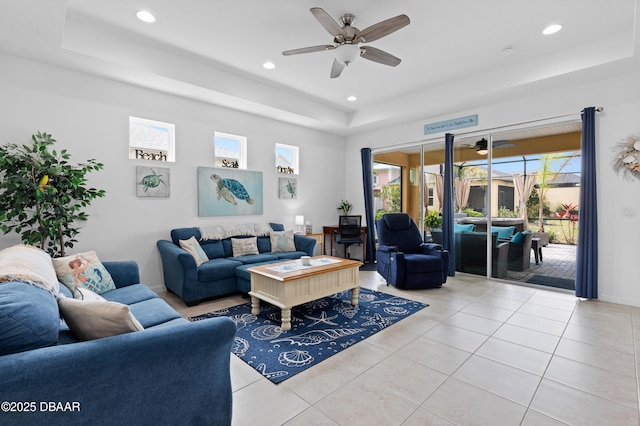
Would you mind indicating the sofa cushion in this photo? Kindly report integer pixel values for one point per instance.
(420, 263)
(130, 294)
(192, 246)
(95, 319)
(83, 270)
(29, 318)
(153, 312)
(244, 246)
(458, 227)
(264, 244)
(184, 234)
(504, 232)
(257, 258)
(213, 249)
(216, 269)
(243, 273)
(282, 241)
(290, 255)
(276, 226)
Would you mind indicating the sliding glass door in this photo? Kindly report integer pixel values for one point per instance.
(515, 200)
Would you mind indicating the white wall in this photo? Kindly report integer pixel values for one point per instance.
(619, 238)
(89, 117)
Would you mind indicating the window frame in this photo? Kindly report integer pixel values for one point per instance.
(242, 150)
(295, 158)
(151, 153)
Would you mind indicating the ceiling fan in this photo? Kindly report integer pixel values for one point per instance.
(481, 146)
(347, 38)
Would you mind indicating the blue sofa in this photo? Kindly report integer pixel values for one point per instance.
(222, 273)
(172, 372)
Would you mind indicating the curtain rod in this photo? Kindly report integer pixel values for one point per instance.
(436, 138)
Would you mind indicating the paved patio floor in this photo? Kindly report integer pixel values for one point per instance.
(559, 261)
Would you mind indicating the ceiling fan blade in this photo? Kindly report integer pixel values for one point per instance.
(336, 68)
(308, 49)
(383, 28)
(380, 56)
(326, 21)
(503, 144)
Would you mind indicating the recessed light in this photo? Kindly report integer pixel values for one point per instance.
(269, 65)
(552, 29)
(507, 51)
(352, 98)
(145, 16)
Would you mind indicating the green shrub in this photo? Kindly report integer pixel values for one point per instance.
(433, 220)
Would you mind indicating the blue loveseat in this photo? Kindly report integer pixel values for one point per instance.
(172, 372)
(222, 273)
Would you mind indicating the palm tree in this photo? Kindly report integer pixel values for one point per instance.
(545, 178)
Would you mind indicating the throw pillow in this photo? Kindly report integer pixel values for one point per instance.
(87, 295)
(458, 227)
(29, 318)
(90, 320)
(282, 241)
(244, 246)
(518, 238)
(504, 232)
(192, 246)
(83, 270)
(276, 226)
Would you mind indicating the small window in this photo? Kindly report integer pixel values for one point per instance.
(430, 198)
(287, 159)
(151, 140)
(230, 151)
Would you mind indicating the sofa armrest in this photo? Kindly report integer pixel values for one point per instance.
(179, 270)
(304, 243)
(123, 272)
(177, 374)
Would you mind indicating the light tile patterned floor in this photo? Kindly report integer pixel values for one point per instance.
(483, 353)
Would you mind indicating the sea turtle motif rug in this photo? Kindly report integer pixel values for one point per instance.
(319, 330)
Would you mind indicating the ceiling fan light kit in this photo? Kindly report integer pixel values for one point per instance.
(482, 147)
(347, 53)
(347, 38)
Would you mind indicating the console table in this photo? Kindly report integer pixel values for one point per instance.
(330, 230)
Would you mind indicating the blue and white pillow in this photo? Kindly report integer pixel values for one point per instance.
(192, 246)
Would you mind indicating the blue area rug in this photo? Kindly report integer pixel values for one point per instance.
(319, 329)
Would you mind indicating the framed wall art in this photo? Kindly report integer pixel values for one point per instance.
(229, 192)
(288, 188)
(152, 181)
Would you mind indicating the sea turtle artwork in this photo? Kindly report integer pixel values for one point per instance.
(230, 189)
(291, 188)
(151, 181)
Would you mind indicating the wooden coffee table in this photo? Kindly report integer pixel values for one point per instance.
(288, 284)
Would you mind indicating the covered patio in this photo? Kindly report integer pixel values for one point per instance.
(557, 268)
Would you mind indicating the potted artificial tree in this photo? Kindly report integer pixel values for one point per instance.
(42, 195)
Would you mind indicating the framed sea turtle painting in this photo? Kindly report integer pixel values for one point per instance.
(152, 181)
(288, 188)
(229, 192)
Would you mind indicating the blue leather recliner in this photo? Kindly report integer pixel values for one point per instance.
(402, 257)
